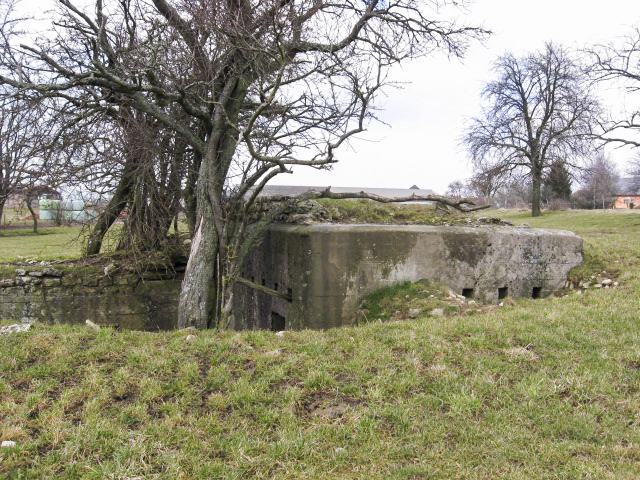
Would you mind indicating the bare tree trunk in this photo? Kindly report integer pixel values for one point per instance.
(197, 295)
(226, 315)
(117, 203)
(536, 175)
(205, 297)
(190, 197)
(33, 214)
(201, 280)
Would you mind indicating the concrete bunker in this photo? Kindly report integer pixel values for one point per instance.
(316, 276)
(326, 269)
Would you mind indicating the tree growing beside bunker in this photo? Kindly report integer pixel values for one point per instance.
(251, 89)
(540, 110)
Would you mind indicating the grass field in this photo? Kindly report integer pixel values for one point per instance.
(50, 243)
(18, 242)
(54, 243)
(545, 389)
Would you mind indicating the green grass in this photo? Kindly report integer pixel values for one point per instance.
(396, 302)
(367, 211)
(53, 243)
(50, 243)
(541, 389)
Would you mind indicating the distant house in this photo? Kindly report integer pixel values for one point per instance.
(13, 201)
(627, 195)
(43, 192)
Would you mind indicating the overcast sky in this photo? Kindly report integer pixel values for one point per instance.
(420, 146)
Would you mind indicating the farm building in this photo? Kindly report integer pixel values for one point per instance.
(628, 195)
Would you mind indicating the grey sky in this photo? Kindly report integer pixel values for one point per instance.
(426, 118)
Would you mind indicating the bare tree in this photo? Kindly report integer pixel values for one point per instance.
(26, 128)
(485, 184)
(633, 172)
(24, 136)
(458, 189)
(129, 159)
(17, 127)
(599, 180)
(540, 111)
(263, 87)
(619, 62)
(151, 163)
(513, 192)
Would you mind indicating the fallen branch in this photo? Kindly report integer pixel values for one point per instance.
(458, 205)
(262, 288)
(464, 205)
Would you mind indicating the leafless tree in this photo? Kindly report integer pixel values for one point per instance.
(513, 192)
(458, 189)
(263, 87)
(540, 111)
(618, 62)
(148, 165)
(633, 173)
(599, 180)
(26, 128)
(23, 139)
(16, 162)
(485, 184)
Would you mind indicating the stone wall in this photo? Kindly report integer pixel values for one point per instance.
(329, 269)
(147, 301)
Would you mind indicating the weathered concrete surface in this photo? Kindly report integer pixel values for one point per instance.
(328, 269)
(65, 297)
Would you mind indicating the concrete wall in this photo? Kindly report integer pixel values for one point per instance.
(138, 302)
(328, 269)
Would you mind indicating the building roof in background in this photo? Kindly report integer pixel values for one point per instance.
(271, 190)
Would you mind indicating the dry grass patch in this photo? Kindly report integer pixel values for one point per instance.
(536, 389)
